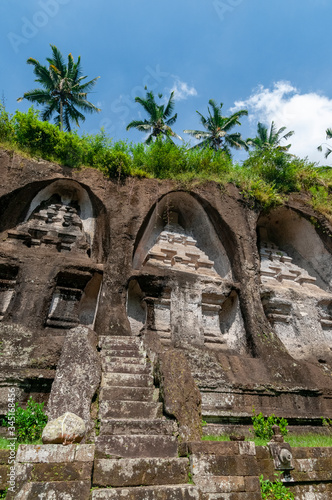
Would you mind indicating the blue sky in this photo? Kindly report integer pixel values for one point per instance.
(271, 57)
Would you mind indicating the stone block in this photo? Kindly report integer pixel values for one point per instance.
(77, 376)
(220, 484)
(125, 367)
(135, 446)
(4, 455)
(247, 448)
(314, 475)
(316, 452)
(262, 452)
(69, 490)
(159, 426)
(214, 447)
(183, 492)
(85, 453)
(140, 472)
(74, 471)
(4, 470)
(266, 467)
(216, 465)
(130, 409)
(47, 453)
(126, 379)
(252, 484)
(68, 428)
(129, 394)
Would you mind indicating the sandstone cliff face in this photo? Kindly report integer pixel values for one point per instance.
(246, 297)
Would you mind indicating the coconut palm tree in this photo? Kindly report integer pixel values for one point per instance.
(216, 135)
(160, 119)
(328, 148)
(63, 89)
(270, 139)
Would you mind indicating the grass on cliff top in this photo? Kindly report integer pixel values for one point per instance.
(301, 440)
(264, 179)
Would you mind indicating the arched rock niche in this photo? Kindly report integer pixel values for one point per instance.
(296, 279)
(193, 222)
(59, 216)
(197, 303)
(75, 299)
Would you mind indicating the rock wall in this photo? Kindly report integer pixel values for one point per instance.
(244, 296)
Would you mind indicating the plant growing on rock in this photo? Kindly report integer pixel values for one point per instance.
(274, 490)
(263, 425)
(29, 422)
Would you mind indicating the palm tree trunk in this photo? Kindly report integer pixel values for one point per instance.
(61, 116)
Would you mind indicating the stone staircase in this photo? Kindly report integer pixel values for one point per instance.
(137, 448)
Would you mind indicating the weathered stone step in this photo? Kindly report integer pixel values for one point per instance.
(159, 426)
(125, 368)
(129, 394)
(180, 492)
(123, 359)
(123, 353)
(122, 342)
(129, 409)
(136, 446)
(140, 471)
(126, 379)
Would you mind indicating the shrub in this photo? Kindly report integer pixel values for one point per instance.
(263, 425)
(274, 490)
(285, 172)
(6, 125)
(29, 422)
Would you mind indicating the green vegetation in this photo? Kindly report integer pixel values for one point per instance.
(29, 423)
(274, 490)
(265, 179)
(63, 89)
(217, 127)
(301, 440)
(267, 140)
(263, 425)
(160, 119)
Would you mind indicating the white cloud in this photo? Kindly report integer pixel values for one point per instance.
(309, 115)
(182, 90)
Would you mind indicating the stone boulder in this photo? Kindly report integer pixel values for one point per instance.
(77, 376)
(67, 429)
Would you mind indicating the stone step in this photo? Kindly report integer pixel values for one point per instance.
(136, 446)
(129, 394)
(123, 353)
(123, 359)
(140, 471)
(125, 368)
(119, 340)
(179, 492)
(129, 409)
(159, 426)
(126, 379)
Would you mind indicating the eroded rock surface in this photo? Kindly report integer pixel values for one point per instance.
(66, 429)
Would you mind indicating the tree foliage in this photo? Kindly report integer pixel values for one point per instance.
(270, 139)
(160, 120)
(63, 91)
(217, 127)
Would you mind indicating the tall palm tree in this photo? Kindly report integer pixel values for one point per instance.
(160, 119)
(328, 148)
(270, 139)
(63, 89)
(216, 135)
